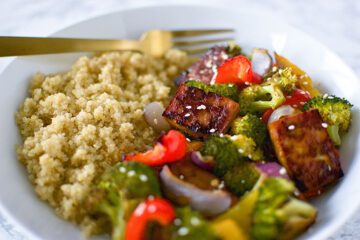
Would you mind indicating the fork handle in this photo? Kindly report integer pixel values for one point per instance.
(20, 46)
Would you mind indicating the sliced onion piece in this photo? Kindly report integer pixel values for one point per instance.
(273, 169)
(261, 61)
(153, 116)
(205, 162)
(282, 111)
(208, 202)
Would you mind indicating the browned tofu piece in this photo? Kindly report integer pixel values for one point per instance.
(199, 113)
(204, 69)
(304, 148)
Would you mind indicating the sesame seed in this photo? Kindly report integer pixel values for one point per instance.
(221, 135)
(188, 140)
(250, 156)
(305, 83)
(242, 181)
(291, 127)
(151, 197)
(330, 97)
(221, 185)
(183, 231)
(302, 76)
(319, 192)
(247, 83)
(215, 58)
(326, 95)
(208, 64)
(187, 115)
(240, 150)
(302, 92)
(233, 137)
(329, 167)
(194, 221)
(131, 173)
(302, 103)
(214, 68)
(282, 171)
(155, 121)
(296, 193)
(280, 71)
(202, 106)
(295, 106)
(212, 130)
(274, 69)
(177, 221)
(324, 125)
(201, 71)
(143, 178)
(181, 177)
(288, 96)
(188, 107)
(122, 169)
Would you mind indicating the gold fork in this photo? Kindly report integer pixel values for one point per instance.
(154, 42)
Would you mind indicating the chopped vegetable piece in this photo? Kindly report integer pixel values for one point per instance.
(313, 163)
(250, 126)
(247, 148)
(205, 69)
(236, 70)
(305, 82)
(225, 152)
(261, 61)
(156, 209)
(200, 114)
(333, 131)
(228, 90)
(333, 110)
(119, 190)
(241, 178)
(277, 215)
(228, 230)
(283, 78)
(172, 147)
(257, 98)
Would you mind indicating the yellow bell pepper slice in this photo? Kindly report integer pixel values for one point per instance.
(228, 230)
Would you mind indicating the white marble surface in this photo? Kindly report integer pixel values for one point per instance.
(336, 23)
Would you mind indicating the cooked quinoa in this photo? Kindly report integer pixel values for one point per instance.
(76, 124)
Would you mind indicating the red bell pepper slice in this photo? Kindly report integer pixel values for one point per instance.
(297, 100)
(237, 70)
(156, 209)
(170, 148)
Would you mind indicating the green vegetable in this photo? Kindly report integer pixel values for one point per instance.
(333, 131)
(241, 178)
(233, 49)
(228, 90)
(192, 226)
(283, 78)
(120, 189)
(247, 147)
(225, 152)
(257, 98)
(334, 111)
(276, 214)
(252, 127)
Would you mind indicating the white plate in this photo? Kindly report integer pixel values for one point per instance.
(31, 218)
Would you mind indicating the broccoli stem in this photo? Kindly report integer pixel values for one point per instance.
(333, 131)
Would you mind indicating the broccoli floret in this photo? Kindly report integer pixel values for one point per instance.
(247, 147)
(233, 49)
(225, 152)
(257, 98)
(283, 78)
(189, 225)
(228, 90)
(276, 214)
(120, 189)
(252, 127)
(333, 110)
(241, 178)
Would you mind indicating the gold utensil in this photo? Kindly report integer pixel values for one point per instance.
(154, 42)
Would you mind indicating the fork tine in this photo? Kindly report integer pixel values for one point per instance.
(190, 33)
(195, 50)
(197, 42)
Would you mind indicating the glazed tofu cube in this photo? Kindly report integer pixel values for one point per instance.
(204, 69)
(198, 113)
(303, 147)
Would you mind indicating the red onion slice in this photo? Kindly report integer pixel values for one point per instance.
(153, 116)
(282, 111)
(207, 202)
(273, 169)
(261, 61)
(205, 162)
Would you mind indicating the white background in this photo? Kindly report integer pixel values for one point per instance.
(336, 23)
